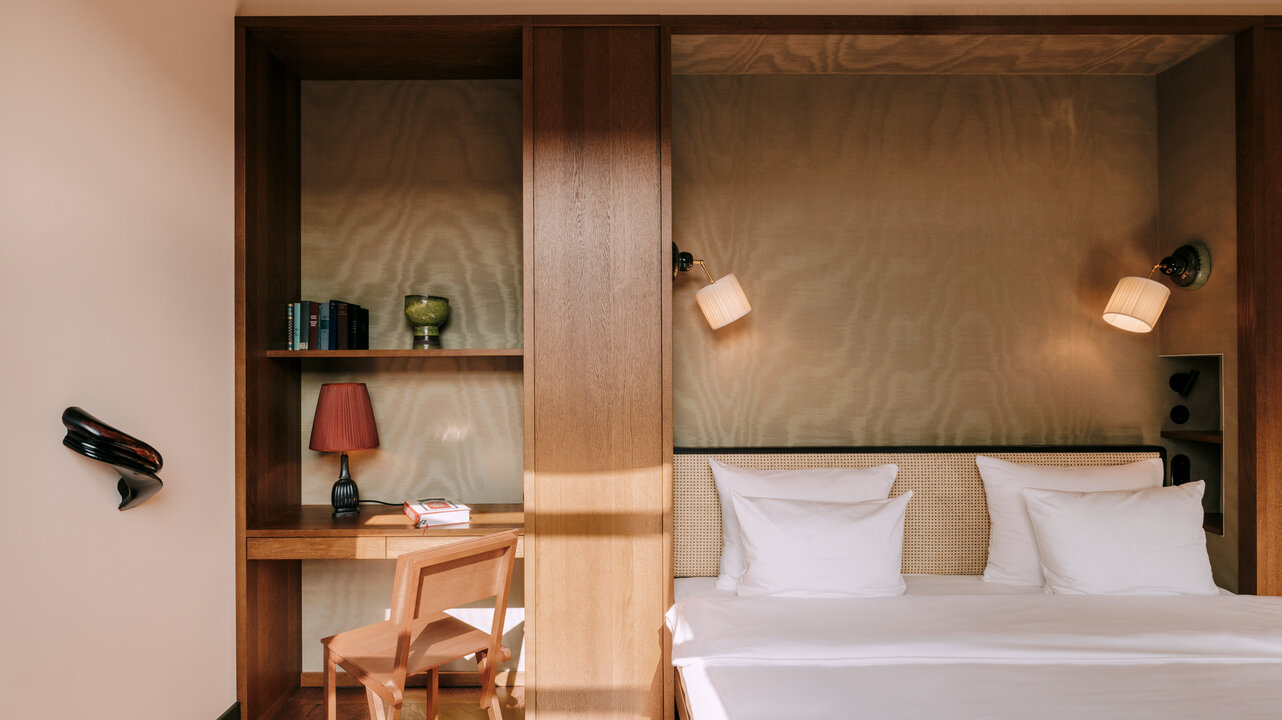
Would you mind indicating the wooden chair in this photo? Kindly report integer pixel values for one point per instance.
(420, 637)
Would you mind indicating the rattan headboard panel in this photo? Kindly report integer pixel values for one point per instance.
(946, 529)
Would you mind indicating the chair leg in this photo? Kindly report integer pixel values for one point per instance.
(377, 711)
(494, 711)
(489, 699)
(331, 705)
(433, 679)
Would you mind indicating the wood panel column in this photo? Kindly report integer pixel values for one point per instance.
(1259, 88)
(596, 485)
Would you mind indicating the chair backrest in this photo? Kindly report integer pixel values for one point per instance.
(429, 582)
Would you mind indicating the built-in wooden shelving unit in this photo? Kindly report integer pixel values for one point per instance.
(308, 228)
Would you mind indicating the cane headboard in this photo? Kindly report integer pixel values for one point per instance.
(945, 531)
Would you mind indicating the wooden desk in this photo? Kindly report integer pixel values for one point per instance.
(310, 532)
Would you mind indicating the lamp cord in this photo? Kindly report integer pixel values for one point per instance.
(380, 502)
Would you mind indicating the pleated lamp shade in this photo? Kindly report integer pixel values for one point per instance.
(723, 301)
(344, 419)
(1136, 304)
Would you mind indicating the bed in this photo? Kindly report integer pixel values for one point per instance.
(953, 645)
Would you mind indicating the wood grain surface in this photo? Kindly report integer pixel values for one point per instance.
(596, 490)
(392, 48)
(1197, 175)
(454, 704)
(1259, 163)
(267, 261)
(932, 54)
(927, 258)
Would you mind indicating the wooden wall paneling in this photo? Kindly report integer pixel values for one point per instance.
(959, 24)
(595, 20)
(597, 486)
(267, 473)
(1259, 86)
(1250, 167)
(934, 54)
(1197, 166)
(393, 47)
(665, 205)
(529, 498)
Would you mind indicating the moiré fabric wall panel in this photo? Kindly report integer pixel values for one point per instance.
(448, 427)
(1198, 166)
(415, 187)
(927, 258)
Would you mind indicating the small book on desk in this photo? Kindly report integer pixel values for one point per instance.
(430, 512)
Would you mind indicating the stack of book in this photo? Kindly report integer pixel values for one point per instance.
(334, 325)
(431, 512)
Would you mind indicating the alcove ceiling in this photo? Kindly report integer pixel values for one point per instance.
(933, 54)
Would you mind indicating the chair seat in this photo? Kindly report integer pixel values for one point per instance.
(368, 653)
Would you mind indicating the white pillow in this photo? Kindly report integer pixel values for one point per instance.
(1129, 542)
(838, 484)
(816, 548)
(1012, 549)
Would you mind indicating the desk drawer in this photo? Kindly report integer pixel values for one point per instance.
(397, 546)
(339, 548)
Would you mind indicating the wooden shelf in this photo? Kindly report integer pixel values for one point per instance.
(1204, 436)
(311, 532)
(419, 354)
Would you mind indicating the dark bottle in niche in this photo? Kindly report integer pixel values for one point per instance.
(1181, 469)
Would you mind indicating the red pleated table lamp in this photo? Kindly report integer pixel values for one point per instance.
(344, 422)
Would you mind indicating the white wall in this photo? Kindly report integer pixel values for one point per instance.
(116, 172)
(116, 205)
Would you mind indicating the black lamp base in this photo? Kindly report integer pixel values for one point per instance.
(344, 496)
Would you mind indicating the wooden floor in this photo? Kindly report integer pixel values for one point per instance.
(455, 704)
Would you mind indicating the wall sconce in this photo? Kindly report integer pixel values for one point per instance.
(136, 461)
(344, 421)
(722, 301)
(1137, 302)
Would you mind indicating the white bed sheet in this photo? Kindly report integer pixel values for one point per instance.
(684, 588)
(956, 647)
(974, 691)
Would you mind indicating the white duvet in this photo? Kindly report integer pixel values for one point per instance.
(1010, 655)
(975, 628)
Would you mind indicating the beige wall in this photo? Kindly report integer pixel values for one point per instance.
(1198, 165)
(116, 172)
(928, 257)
